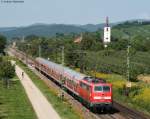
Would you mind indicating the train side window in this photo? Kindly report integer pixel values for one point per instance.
(84, 86)
(88, 88)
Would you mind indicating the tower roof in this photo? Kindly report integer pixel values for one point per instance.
(107, 21)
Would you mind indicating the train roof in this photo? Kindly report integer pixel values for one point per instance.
(62, 69)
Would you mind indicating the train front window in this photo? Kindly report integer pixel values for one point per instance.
(102, 89)
(106, 89)
(98, 88)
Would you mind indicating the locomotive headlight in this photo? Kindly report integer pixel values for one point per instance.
(107, 97)
(100, 97)
(97, 97)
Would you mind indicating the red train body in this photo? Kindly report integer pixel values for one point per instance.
(95, 92)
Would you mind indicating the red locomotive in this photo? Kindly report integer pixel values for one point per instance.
(95, 92)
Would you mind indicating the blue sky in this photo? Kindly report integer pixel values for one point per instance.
(71, 11)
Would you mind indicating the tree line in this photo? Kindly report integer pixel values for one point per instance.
(7, 71)
(90, 53)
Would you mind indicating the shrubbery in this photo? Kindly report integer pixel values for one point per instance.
(7, 70)
(90, 54)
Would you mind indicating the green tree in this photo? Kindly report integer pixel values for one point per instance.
(7, 71)
(91, 42)
(2, 43)
(119, 45)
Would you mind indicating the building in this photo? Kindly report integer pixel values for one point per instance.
(107, 33)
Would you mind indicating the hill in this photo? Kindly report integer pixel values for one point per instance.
(48, 29)
(119, 29)
(42, 30)
(132, 29)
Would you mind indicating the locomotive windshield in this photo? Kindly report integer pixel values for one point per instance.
(102, 89)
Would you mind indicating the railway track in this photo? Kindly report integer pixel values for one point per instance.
(119, 112)
(87, 114)
(130, 113)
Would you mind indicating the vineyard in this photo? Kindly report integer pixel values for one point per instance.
(115, 62)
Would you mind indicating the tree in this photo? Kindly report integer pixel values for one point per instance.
(7, 71)
(91, 42)
(2, 43)
(31, 37)
(119, 45)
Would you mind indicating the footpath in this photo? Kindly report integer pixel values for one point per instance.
(41, 106)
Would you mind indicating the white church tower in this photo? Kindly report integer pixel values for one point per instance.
(107, 33)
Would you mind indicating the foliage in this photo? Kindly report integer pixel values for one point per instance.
(92, 42)
(138, 94)
(7, 71)
(119, 45)
(90, 54)
(143, 98)
(2, 43)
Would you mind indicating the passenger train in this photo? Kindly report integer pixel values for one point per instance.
(93, 91)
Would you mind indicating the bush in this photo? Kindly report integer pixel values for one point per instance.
(143, 99)
(7, 70)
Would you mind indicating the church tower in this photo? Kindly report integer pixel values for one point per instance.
(107, 33)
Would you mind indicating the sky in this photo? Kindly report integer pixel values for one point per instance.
(71, 11)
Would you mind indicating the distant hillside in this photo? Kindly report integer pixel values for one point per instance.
(131, 28)
(48, 30)
(42, 30)
(95, 27)
(92, 27)
(3, 29)
(120, 29)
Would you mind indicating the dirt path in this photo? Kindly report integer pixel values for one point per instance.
(42, 107)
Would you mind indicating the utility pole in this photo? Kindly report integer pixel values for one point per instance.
(27, 53)
(25, 56)
(62, 56)
(39, 50)
(128, 63)
(62, 80)
(128, 84)
(39, 56)
(22, 38)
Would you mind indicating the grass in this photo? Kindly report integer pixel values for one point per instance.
(14, 103)
(63, 108)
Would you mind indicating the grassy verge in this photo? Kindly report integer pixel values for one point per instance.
(14, 103)
(62, 107)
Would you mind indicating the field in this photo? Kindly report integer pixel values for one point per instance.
(14, 103)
